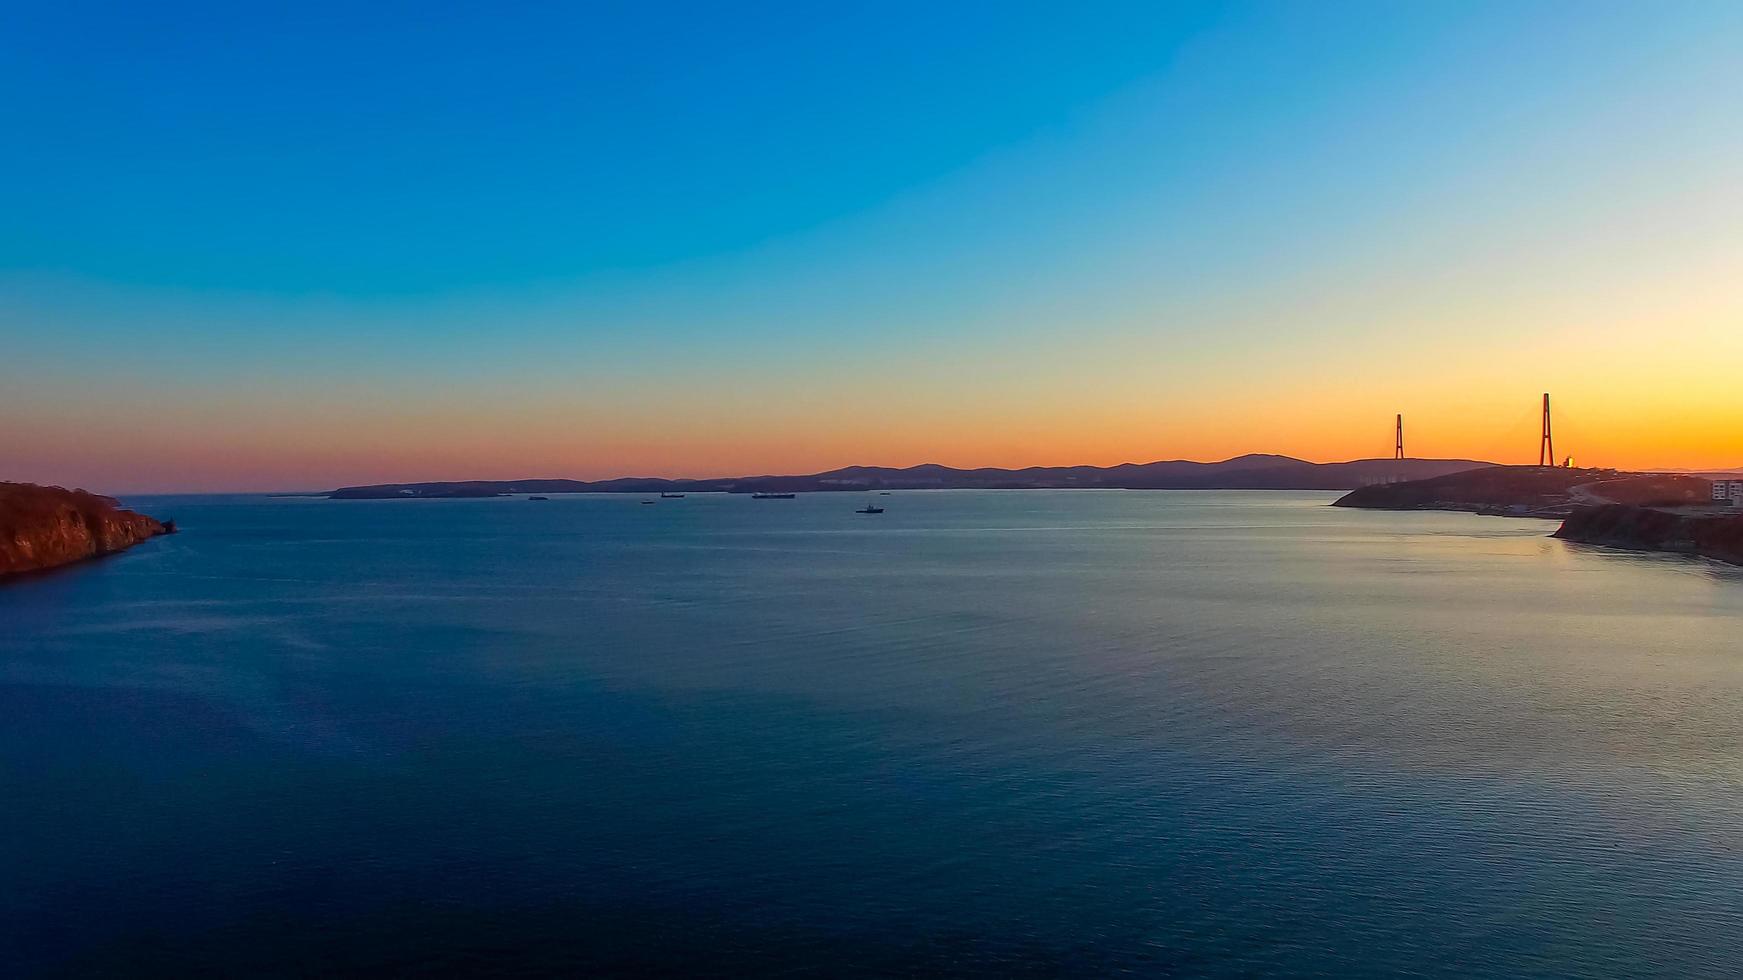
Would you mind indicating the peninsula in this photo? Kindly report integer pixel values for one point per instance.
(1532, 491)
(1687, 531)
(42, 527)
(1257, 471)
(1670, 512)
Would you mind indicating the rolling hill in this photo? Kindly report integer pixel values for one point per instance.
(1257, 471)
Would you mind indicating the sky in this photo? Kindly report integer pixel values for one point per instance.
(249, 247)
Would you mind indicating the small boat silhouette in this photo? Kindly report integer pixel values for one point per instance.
(773, 496)
(671, 496)
(869, 509)
(538, 498)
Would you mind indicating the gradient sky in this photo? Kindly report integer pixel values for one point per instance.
(263, 246)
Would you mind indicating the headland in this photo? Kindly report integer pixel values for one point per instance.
(1668, 512)
(44, 527)
(1532, 491)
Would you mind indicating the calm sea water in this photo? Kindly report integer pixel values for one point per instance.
(1023, 733)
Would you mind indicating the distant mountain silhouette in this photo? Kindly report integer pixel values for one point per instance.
(1255, 471)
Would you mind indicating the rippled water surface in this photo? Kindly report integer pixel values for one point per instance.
(1041, 733)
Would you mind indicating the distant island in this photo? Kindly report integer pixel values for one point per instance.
(1639, 511)
(42, 527)
(1257, 471)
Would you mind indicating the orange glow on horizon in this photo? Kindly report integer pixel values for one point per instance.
(301, 453)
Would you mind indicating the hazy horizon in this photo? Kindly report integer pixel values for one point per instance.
(290, 250)
(172, 490)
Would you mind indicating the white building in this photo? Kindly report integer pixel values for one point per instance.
(1728, 492)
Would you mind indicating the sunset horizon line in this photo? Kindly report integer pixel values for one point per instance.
(689, 476)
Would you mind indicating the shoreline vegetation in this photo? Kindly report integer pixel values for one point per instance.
(46, 527)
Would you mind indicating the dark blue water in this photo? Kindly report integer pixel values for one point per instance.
(1032, 733)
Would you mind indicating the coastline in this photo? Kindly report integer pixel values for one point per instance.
(43, 528)
(1715, 536)
(1667, 513)
(1254, 471)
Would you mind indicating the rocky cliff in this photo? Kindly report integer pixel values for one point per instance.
(1645, 529)
(41, 527)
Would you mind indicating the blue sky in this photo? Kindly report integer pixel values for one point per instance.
(385, 149)
(567, 206)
